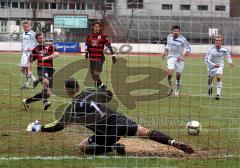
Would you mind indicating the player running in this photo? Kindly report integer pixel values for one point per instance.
(95, 43)
(44, 54)
(215, 64)
(89, 108)
(177, 49)
(28, 43)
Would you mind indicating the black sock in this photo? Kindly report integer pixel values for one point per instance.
(44, 95)
(37, 97)
(99, 82)
(160, 137)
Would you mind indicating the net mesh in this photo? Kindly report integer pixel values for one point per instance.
(138, 81)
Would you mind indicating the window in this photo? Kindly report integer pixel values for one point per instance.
(21, 5)
(109, 6)
(89, 6)
(59, 5)
(27, 5)
(40, 6)
(65, 6)
(3, 4)
(135, 4)
(71, 5)
(202, 7)
(45, 6)
(14, 4)
(53, 6)
(9, 4)
(185, 7)
(81, 6)
(99, 6)
(167, 6)
(3, 26)
(220, 8)
(34, 5)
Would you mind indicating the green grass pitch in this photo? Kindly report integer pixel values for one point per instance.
(219, 138)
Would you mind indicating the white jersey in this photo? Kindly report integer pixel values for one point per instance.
(216, 56)
(177, 46)
(28, 40)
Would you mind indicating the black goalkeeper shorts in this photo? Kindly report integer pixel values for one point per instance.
(116, 127)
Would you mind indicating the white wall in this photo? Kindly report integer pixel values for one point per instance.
(135, 48)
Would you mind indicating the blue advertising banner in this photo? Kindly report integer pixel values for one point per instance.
(67, 47)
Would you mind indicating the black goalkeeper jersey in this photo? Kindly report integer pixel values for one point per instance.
(89, 109)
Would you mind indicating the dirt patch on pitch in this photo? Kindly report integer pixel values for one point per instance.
(146, 148)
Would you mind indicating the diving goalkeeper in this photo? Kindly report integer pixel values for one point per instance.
(89, 109)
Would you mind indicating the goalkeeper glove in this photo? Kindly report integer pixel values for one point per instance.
(34, 127)
(114, 59)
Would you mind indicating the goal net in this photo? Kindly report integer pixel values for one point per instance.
(138, 31)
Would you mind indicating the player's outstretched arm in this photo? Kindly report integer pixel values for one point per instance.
(38, 127)
(55, 126)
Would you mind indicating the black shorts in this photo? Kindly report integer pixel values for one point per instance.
(96, 65)
(116, 127)
(45, 72)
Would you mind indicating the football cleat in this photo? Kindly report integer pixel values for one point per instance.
(170, 91)
(176, 94)
(46, 105)
(25, 104)
(185, 148)
(35, 83)
(217, 97)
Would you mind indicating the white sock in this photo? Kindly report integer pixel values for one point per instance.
(33, 78)
(211, 85)
(171, 142)
(26, 83)
(219, 88)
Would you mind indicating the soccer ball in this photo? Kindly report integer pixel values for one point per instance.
(193, 127)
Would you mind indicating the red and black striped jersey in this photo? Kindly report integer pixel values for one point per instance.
(41, 51)
(95, 45)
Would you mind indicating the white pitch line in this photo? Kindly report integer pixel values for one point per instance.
(92, 157)
(206, 95)
(72, 157)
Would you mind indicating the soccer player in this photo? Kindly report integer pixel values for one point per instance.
(177, 49)
(95, 43)
(89, 108)
(44, 54)
(215, 64)
(28, 43)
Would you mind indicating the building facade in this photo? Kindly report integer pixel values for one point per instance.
(126, 20)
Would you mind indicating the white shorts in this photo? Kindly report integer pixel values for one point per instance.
(25, 59)
(173, 64)
(214, 71)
